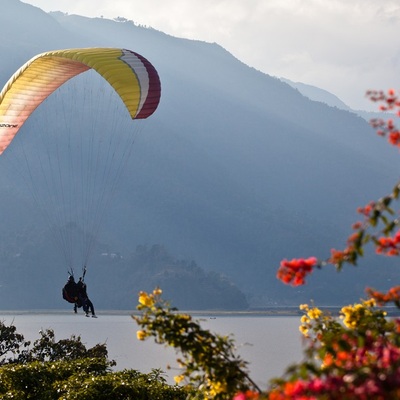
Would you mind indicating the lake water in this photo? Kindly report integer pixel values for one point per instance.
(268, 343)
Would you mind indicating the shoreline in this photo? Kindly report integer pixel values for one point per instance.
(262, 312)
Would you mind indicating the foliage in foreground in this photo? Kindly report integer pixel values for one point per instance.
(67, 370)
(354, 357)
(82, 379)
(209, 364)
(14, 349)
(357, 357)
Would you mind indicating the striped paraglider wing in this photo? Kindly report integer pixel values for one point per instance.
(132, 76)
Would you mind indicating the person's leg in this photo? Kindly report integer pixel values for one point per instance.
(90, 305)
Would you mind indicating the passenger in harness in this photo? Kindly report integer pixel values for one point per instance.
(70, 291)
(84, 298)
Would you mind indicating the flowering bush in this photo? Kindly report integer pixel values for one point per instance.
(359, 356)
(210, 367)
(355, 357)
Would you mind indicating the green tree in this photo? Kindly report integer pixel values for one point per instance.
(12, 344)
(67, 370)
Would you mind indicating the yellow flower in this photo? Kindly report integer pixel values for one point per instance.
(216, 388)
(178, 379)
(157, 291)
(314, 313)
(354, 315)
(370, 303)
(348, 316)
(346, 309)
(145, 299)
(304, 330)
(141, 335)
(303, 306)
(304, 319)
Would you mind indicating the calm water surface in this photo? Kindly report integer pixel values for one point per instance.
(268, 343)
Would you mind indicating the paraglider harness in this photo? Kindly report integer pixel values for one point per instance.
(70, 291)
(66, 296)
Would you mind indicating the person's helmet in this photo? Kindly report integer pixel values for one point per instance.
(71, 278)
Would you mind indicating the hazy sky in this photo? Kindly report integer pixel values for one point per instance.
(343, 46)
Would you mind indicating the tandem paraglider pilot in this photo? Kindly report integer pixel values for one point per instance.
(84, 298)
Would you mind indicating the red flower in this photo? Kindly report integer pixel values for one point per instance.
(294, 271)
(367, 209)
(338, 257)
(392, 294)
(389, 246)
(248, 395)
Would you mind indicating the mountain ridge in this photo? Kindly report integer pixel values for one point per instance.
(237, 169)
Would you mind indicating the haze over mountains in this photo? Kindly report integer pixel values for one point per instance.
(236, 170)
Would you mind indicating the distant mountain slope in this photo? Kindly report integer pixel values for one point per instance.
(236, 169)
(323, 96)
(318, 94)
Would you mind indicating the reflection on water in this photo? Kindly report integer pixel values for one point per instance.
(268, 343)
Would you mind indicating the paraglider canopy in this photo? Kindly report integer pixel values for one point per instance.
(72, 159)
(133, 77)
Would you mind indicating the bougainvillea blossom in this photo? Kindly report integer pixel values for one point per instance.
(294, 271)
